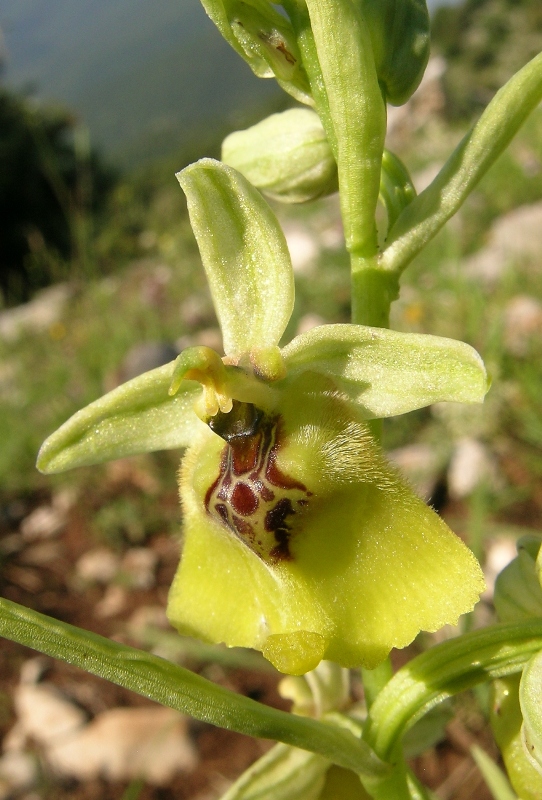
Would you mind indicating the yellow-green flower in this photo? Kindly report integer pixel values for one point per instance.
(300, 539)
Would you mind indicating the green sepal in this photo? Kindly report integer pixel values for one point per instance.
(286, 156)
(246, 258)
(506, 722)
(137, 417)
(278, 582)
(396, 187)
(387, 372)
(264, 39)
(518, 594)
(399, 31)
(284, 773)
(530, 700)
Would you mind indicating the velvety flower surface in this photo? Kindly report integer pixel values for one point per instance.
(299, 538)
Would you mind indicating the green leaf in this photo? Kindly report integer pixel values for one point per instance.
(137, 417)
(494, 777)
(284, 773)
(178, 688)
(386, 372)
(244, 253)
(530, 700)
(479, 149)
(346, 58)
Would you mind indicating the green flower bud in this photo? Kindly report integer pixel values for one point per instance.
(518, 594)
(399, 31)
(286, 156)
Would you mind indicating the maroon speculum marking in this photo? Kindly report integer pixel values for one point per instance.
(251, 495)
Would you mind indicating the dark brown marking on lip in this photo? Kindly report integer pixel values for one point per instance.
(244, 500)
(251, 496)
(243, 528)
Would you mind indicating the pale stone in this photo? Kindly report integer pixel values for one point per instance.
(127, 743)
(308, 322)
(421, 465)
(522, 323)
(44, 715)
(42, 523)
(303, 249)
(99, 565)
(138, 565)
(513, 238)
(38, 315)
(471, 465)
(18, 771)
(499, 553)
(112, 603)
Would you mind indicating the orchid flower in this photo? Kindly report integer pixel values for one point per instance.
(300, 539)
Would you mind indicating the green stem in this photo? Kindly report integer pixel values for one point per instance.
(178, 688)
(373, 291)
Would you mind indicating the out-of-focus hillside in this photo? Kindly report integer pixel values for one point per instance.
(144, 75)
(484, 42)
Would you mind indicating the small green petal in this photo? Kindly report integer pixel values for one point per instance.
(246, 258)
(387, 372)
(137, 417)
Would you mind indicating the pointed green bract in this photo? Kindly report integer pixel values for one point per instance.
(387, 372)
(302, 542)
(244, 253)
(138, 417)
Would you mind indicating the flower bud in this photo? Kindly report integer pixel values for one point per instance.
(399, 31)
(286, 156)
